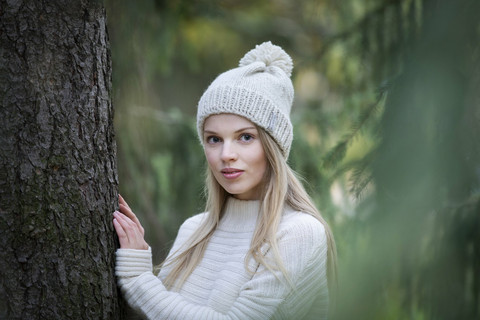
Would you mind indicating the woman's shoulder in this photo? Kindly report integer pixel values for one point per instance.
(187, 228)
(302, 225)
(194, 222)
(302, 241)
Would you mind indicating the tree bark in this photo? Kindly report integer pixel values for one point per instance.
(58, 175)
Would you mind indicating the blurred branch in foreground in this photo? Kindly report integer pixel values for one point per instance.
(423, 247)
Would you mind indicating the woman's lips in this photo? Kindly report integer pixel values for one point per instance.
(231, 173)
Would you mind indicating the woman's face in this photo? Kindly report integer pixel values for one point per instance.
(235, 155)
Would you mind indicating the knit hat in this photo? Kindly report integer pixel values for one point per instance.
(260, 90)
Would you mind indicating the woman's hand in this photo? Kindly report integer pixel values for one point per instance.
(129, 230)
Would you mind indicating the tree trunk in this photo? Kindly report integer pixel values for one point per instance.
(58, 179)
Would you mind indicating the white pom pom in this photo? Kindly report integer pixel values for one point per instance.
(271, 55)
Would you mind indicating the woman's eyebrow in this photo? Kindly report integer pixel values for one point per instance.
(247, 128)
(236, 131)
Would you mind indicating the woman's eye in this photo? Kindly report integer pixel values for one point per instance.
(246, 137)
(213, 139)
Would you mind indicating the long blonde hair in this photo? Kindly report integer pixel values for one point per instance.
(281, 187)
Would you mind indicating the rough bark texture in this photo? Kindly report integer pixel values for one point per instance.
(58, 180)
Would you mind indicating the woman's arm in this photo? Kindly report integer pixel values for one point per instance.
(263, 297)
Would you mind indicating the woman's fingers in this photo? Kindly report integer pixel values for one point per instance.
(125, 209)
(122, 201)
(122, 236)
(129, 229)
(129, 233)
(129, 213)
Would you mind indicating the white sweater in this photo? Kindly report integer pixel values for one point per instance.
(220, 287)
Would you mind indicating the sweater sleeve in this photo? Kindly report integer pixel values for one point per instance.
(267, 295)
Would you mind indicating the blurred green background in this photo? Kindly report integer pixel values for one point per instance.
(387, 126)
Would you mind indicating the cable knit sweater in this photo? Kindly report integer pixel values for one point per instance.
(220, 287)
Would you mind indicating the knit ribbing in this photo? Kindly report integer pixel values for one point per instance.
(221, 288)
(240, 216)
(252, 104)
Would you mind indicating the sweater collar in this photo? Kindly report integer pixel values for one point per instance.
(240, 215)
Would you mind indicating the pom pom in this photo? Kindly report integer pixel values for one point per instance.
(269, 54)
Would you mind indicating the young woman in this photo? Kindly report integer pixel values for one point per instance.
(261, 250)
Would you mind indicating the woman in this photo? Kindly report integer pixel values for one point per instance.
(261, 250)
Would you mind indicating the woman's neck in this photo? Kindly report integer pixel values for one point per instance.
(240, 215)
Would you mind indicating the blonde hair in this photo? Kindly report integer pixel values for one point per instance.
(281, 187)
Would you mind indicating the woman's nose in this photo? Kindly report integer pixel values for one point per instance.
(228, 152)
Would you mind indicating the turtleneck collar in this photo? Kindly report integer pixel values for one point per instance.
(240, 215)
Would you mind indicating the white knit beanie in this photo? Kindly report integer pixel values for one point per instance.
(260, 90)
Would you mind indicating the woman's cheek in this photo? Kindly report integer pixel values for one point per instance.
(210, 156)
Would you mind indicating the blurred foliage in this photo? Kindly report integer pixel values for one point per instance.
(386, 119)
